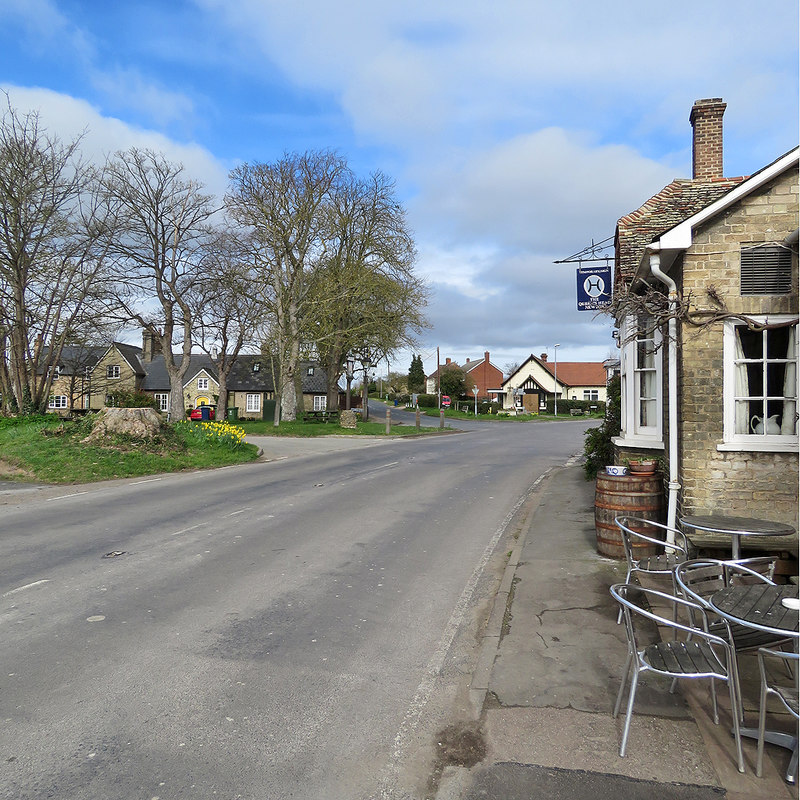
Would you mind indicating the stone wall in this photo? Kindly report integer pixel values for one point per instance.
(752, 484)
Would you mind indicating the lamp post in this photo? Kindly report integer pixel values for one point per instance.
(475, 390)
(368, 365)
(555, 376)
(349, 366)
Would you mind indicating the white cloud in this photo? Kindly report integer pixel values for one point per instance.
(69, 117)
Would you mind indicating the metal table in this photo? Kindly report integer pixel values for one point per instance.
(759, 606)
(736, 527)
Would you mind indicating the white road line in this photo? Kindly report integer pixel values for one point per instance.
(26, 586)
(64, 496)
(391, 464)
(460, 612)
(186, 530)
(149, 480)
(241, 511)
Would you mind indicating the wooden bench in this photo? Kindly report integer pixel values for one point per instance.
(576, 412)
(320, 416)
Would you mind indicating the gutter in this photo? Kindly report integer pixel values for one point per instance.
(672, 382)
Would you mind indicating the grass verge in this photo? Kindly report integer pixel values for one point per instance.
(50, 450)
(310, 429)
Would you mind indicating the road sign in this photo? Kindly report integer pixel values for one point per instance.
(594, 287)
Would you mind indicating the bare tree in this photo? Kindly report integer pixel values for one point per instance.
(366, 299)
(230, 315)
(282, 205)
(160, 244)
(50, 258)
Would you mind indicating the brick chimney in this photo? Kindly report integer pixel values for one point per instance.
(544, 356)
(706, 119)
(486, 356)
(150, 346)
(446, 361)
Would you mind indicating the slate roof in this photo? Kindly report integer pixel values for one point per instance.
(674, 203)
(241, 379)
(75, 357)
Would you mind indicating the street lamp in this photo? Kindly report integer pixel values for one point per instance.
(555, 376)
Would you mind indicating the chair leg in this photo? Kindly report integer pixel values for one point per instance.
(762, 718)
(736, 727)
(629, 713)
(622, 685)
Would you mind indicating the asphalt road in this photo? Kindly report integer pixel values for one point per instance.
(299, 627)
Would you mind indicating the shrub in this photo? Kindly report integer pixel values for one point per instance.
(598, 448)
(134, 399)
(427, 401)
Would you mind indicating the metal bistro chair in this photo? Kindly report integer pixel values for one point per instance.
(699, 655)
(788, 695)
(662, 563)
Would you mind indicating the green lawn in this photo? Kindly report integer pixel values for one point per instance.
(372, 428)
(49, 450)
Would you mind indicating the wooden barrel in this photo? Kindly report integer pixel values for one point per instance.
(627, 495)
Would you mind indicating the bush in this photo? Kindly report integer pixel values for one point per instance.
(598, 448)
(428, 401)
(565, 405)
(134, 399)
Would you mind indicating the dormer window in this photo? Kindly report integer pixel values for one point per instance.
(257, 366)
(310, 371)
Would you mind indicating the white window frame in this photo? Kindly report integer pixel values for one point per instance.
(162, 401)
(58, 401)
(591, 394)
(112, 371)
(633, 433)
(320, 402)
(253, 404)
(750, 442)
(202, 384)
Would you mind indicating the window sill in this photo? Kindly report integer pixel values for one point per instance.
(758, 447)
(638, 442)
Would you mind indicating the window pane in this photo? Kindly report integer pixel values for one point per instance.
(647, 385)
(647, 413)
(645, 355)
(752, 344)
(777, 342)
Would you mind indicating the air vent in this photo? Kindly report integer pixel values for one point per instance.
(766, 269)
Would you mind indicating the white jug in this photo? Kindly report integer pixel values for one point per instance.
(773, 427)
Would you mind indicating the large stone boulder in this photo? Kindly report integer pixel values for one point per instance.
(138, 423)
(348, 419)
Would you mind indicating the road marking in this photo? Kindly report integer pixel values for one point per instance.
(26, 586)
(186, 530)
(149, 480)
(413, 714)
(63, 496)
(390, 464)
(241, 511)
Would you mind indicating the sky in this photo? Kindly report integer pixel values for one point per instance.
(517, 131)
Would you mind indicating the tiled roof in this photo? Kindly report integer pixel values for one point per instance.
(673, 204)
(578, 373)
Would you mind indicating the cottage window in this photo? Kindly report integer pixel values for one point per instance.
(310, 371)
(641, 384)
(112, 371)
(760, 386)
(591, 394)
(162, 402)
(202, 384)
(57, 401)
(257, 367)
(320, 402)
(253, 403)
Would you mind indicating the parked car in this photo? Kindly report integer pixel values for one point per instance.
(202, 412)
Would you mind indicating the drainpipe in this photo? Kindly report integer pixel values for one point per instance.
(672, 383)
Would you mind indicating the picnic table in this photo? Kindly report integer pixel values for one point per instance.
(320, 416)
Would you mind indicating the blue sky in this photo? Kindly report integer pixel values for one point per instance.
(517, 131)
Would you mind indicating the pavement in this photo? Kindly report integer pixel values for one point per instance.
(550, 663)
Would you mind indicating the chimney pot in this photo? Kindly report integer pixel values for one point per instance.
(544, 356)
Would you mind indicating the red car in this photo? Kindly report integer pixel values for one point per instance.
(197, 413)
